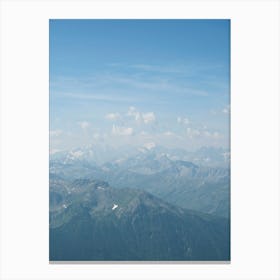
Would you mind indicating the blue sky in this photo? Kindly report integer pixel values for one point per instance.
(139, 81)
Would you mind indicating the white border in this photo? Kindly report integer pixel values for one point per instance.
(255, 138)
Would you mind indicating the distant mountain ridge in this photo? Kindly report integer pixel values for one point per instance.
(158, 171)
(101, 154)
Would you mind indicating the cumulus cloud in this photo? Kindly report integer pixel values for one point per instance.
(121, 130)
(181, 120)
(132, 112)
(84, 124)
(131, 109)
(145, 118)
(149, 117)
(113, 116)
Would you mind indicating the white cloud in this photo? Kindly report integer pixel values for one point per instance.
(94, 96)
(185, 121)
(155, 84)
(132, 112)
(131, 109)
(113, 116)
(120, 130)
(148, 117)
(55, 133)
(84, 124)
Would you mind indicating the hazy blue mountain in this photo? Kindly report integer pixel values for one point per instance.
(156, 170)
(89, 220)
(94, 154)
(102, 153)
(192, 187)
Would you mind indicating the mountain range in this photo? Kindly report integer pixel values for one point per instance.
(165, 173)
(90, 220)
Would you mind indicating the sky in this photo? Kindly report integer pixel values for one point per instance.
(137, 82)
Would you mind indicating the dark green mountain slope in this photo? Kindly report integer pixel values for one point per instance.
(89, 220)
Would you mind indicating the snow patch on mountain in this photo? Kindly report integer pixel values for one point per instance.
(115, 206)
